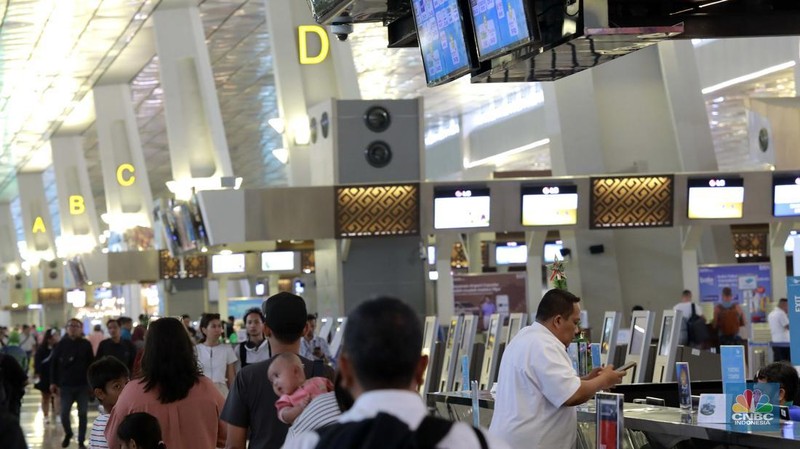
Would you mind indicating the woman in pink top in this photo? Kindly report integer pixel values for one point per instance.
(186, 403)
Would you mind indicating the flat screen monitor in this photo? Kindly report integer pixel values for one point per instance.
(227, 263)
(666, 332)
(511, 254)
(637, 336)
(442, 42)
(553, 251)
(549, 205)
(786, 195)
(715, 198)
(502, 25)
(455, 208)
(278, 261)
(605, 338)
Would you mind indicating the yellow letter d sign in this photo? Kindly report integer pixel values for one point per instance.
(303, 31)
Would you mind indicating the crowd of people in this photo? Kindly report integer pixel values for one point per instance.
(169, 385)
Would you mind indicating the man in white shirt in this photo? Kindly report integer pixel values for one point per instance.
(779, 328)
(537, 387)
(256, 348)
(381, 365)
(314, 347)
(685, 307)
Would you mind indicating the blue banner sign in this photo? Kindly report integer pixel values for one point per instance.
(751, 285)
(793, 293)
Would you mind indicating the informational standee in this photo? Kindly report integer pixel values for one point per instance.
(485, 294)
(751, 285)
(793, 293)
(733, 367)
(610, 422)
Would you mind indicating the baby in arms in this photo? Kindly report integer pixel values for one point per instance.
(289, 382)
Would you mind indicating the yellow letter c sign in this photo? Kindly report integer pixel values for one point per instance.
(122, 179)
(303, 31)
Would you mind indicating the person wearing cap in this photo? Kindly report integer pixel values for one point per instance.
(314, 347)
(250, 407)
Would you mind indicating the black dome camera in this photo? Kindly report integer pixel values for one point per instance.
(378, 154)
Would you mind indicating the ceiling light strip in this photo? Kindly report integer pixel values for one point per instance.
(505, 154)
(748, 77)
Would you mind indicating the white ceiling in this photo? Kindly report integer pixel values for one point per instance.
(54, 51)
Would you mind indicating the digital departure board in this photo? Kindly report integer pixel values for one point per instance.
(499, 25)
(786, 196)
(455, 208)
(715, 198)
(440, 32)
(549, 205)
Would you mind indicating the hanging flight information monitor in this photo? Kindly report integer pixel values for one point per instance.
(442, 42)
(455, 208)
(786, 195)
(502, 25)
(715, 197)
(549, 205)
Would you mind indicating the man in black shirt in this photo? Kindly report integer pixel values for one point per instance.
(115, 346)
(250, 405)
(69, 364)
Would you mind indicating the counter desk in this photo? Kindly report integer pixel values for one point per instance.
(646, 426)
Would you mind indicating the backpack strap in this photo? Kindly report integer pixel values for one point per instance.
(243, 354)
(481, 438)
(431, 431)
(694, 312)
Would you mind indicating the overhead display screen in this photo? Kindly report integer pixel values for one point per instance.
(549, 205)
(631, 202)
(278, 261)
(715, 197)
(455, 208)
(511, 254)
(500, 25)
(440, 32)
(227, 263)
(786, 196)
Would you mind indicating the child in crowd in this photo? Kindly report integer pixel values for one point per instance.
(140, 431)
(107, 377)
(289, 382)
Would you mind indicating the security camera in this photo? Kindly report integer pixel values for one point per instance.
(342, 26)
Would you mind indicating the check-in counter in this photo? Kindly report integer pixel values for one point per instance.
(646, 426)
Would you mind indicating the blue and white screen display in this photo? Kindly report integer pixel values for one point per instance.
(499, 25)
(786, 196)
(440, 33)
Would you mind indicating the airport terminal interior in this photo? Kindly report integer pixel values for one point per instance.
(163, 158)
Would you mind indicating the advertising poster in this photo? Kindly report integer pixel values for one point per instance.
(751, 285)
(238, 306)
(793, 294)
(485, 294)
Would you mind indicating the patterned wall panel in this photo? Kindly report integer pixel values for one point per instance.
(632, 202)
(370, 211)
(750, 241)
(169, 267)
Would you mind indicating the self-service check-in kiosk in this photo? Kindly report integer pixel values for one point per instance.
(336, 344)
(465, 349)
(664, 368)
(428, 342)
(516, 321)
(608, 337)
(324, 329)
(454, 335)
(492, 352)
(639, 346)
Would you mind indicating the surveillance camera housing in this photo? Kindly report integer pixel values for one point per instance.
(342, 26)
(342, 30)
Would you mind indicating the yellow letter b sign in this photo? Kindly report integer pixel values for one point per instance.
(77, 206)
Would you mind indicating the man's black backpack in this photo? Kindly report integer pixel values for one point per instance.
(384, 431)
(697, 329)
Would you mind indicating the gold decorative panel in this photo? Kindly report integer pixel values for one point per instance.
(632, 202)
(750, 241)
(170, 267)
(374, 211)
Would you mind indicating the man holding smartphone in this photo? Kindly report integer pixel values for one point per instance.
(537, 387)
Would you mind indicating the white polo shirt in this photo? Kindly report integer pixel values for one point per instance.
(536, 378)
(778, 320)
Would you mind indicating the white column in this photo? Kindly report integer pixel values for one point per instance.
(197, 142)
(79, 227)
(300, 86)
(9, 253)
(129, 202)
(444, 286)
(330, 285)
(36, 221)
(778, 233)
(534, 286)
